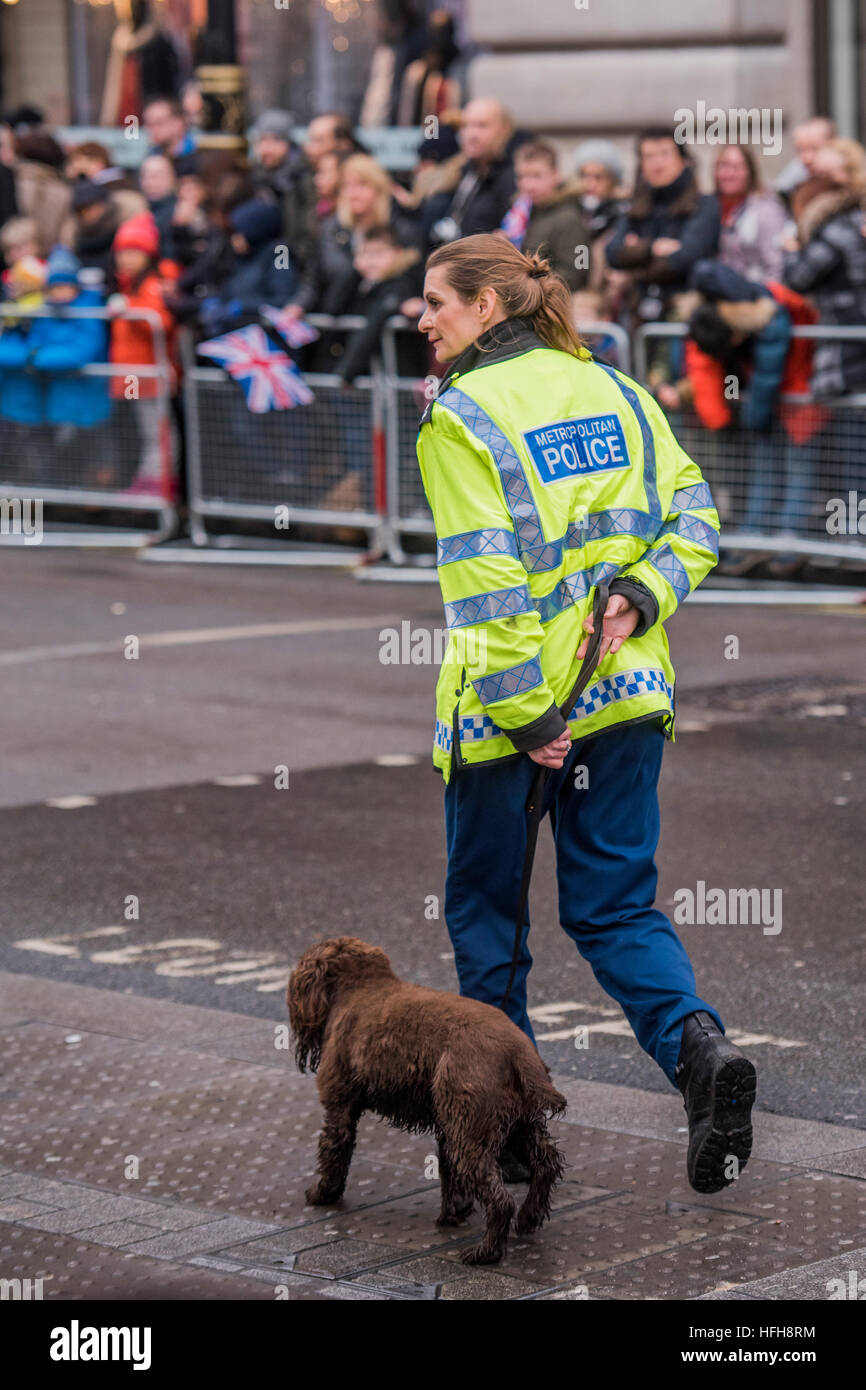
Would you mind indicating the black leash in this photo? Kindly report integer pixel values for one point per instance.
(535, 800)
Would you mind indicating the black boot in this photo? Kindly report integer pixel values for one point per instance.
(718, 1086)
(513, 1170)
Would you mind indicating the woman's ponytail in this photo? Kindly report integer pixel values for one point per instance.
(525, 285)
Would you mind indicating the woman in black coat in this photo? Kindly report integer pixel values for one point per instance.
(827, 262)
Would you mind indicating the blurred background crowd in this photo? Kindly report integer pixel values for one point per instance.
(310, 221)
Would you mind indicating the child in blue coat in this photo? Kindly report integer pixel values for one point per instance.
(60, 347)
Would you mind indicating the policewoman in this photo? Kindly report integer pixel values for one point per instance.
(549, 474)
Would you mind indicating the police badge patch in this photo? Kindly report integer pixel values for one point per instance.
(570, 448)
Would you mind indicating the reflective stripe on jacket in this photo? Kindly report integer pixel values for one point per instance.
(545, 474)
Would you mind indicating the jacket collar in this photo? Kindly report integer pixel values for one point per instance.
(510, 338)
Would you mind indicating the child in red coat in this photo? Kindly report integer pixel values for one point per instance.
(135, 344)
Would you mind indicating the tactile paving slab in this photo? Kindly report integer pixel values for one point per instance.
(222, 1130)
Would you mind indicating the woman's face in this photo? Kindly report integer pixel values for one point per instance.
(327, 176)
(359, 197)
(596, 180)
(449, 322)
(732, 173)
(831, 164)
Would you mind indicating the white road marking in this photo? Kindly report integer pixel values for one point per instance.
(190, 957)
(63, 945)
(621, 1028)
(140, 955)
(189, 637)
(753, 1039)
(555, 1013)
(396, 760)
(241, 779)
(70, 803)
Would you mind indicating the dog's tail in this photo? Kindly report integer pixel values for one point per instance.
(534, 1084)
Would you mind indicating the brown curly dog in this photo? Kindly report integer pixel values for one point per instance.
(424, 1060)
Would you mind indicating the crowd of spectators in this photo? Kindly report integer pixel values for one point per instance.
(205, 239)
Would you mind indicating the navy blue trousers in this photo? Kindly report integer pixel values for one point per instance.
(605, 834)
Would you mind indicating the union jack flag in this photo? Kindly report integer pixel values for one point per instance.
(296, 332)
(270, 380)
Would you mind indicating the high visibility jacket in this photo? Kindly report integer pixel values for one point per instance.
(547, 473)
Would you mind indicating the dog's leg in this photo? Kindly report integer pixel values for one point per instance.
(546, 1166)
(336, 1145)
(456, 1205)
(479, 1171)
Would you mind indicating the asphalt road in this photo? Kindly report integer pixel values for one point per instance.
(175, 861)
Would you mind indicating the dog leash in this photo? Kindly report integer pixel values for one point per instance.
(535, 800)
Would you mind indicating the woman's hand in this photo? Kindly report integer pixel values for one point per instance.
(553, 754)
(619, 622)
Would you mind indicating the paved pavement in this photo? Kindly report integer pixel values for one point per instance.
(159, 880)
(154, 1150)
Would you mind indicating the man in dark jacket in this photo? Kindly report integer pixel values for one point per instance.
(282, 167)
(669, 226)
(96, 219)
(487, 184)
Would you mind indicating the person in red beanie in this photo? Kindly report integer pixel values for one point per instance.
(139, 277)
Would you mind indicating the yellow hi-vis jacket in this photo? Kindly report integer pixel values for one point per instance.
(547, 473)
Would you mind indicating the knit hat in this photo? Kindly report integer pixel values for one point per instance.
(63, 267)
(279, 124)
(138, 233)
(85, 194)
(600, 152)
(256, 220)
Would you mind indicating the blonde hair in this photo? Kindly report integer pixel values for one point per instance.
(525, 286)
(853, 157)
(364, 168)
(18, 229)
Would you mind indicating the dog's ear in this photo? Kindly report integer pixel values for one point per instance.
(309, 1000)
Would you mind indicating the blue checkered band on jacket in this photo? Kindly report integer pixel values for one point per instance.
(696, 496)
(468, 545)
(672, 569)
(692, 528)
(535, 552)
(484, 608)
(572, 589)
(502, 685)
(618, 521)
(472, 728)
(649, 448)
(625, 685)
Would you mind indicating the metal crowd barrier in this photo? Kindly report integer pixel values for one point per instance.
(792, 490)
(345, 462)
(321, 464)
(91, 459)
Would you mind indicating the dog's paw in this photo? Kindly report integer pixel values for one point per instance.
(482, 1255)
(525, 1225)
(318, 1196)
(454, 1218)
(455, 1215)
